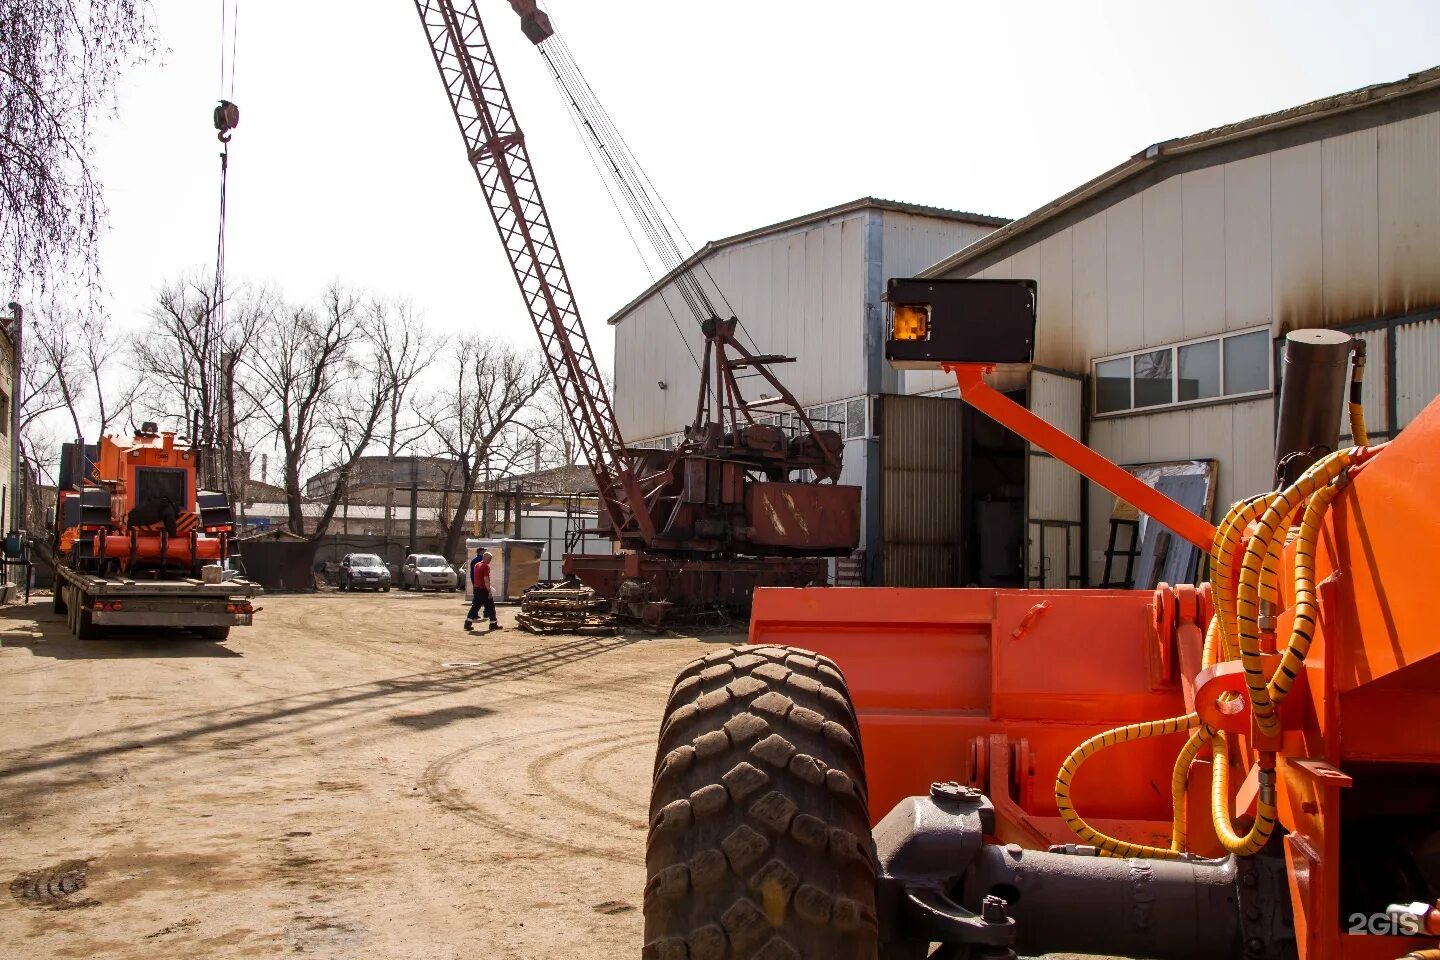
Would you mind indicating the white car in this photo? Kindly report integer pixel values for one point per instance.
(427, 571)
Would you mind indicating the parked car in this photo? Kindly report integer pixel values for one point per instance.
(427, 571)
(363, 571)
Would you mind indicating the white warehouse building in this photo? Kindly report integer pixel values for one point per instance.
(1164, 286)
(1167, 283)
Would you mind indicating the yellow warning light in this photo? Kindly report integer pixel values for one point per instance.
(910, 322)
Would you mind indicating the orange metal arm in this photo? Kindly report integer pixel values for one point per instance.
(1062, 446)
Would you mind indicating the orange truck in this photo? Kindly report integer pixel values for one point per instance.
(138, 544)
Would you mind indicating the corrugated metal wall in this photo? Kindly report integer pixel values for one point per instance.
(1053, 490)
(1321, 234)
(912, 243)
(1375, 388)
(799, 293)
(921, 456)
(1417, 368)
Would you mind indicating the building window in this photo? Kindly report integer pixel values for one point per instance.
(855, 418)
(1197, 371)
(4, 414)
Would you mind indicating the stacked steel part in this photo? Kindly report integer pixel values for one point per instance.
(565, 608)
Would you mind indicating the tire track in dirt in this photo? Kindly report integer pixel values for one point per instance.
(504, 814)
(591, 769)
(539, 773)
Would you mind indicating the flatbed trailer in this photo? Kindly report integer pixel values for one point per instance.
(91, 602)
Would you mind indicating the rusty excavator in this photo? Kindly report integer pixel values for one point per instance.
(740, 502)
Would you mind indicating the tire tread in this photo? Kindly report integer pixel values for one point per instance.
(759, 845)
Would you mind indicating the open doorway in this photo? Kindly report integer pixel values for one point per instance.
(993, 493)
(951, 497)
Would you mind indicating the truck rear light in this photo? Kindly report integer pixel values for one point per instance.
(244, 606)
(116, 605)
(103, 605)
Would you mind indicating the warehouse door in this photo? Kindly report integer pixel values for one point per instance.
(1053, 490)
(921, 510)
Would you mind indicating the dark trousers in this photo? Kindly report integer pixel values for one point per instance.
(482, 599)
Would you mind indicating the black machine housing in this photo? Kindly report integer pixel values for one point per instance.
(969, 321)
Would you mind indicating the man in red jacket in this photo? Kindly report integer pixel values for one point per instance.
(480, 585)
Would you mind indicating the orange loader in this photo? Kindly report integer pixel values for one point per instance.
(1249, 768)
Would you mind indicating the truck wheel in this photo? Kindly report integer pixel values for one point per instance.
(759, 843)
(57, 602)
(85, 628)
(218, 634)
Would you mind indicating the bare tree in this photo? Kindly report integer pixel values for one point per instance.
(494, 384)
(76, 357)
(404, 349)
(40, 400)
(52, 346)
(317, 382)
(189, 356)
(559, 447)
(58, 65)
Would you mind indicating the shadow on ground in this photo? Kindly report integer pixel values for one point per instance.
(44, 634)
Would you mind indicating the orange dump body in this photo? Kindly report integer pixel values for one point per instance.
(995, 687)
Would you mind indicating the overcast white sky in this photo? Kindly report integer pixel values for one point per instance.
(347, 163)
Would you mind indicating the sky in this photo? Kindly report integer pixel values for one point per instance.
(347, 164)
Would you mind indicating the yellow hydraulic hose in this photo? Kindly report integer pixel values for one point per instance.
(1273, 523)
(1111, 846)
(1355, 408)
(1222, 567)
(1265, 811)
(1180, 786)
(1180, 778)
(1234, 633)
(1306, 606)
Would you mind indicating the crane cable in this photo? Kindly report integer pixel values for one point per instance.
(648, 209)
(226, 119)
(596, 161)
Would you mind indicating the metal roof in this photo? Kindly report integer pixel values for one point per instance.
(1156, 155)
(864, 203)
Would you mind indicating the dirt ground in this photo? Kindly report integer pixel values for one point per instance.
(352, 777)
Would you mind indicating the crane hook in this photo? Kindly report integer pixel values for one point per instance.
(227, 118)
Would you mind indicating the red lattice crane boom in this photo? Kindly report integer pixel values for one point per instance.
(497, 151)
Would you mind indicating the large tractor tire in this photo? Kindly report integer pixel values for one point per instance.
(759, 845)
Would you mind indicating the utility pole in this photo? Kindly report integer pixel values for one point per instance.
(17, 467)
(414, 498)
